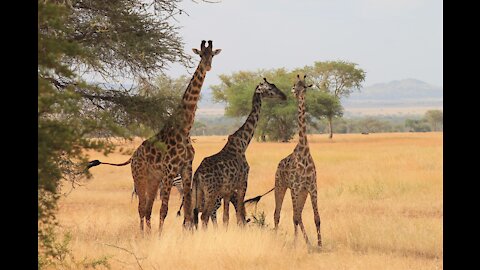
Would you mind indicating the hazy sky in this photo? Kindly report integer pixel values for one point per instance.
(389, 39)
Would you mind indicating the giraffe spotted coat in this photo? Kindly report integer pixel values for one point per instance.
(226, 173)
(297, 172)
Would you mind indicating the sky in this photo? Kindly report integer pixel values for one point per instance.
(389, 39)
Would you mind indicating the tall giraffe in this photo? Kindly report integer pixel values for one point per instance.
(297, 171)
(226, 173)
(169, 152)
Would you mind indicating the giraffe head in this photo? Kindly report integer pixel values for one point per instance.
(206, 54)
(269, 90)
(300, 86)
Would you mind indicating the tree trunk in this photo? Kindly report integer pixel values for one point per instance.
(330, 128)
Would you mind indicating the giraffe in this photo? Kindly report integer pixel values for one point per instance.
(297, 172)
(226, 173)
(169, 152)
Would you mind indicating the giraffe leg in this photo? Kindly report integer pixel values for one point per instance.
(151, 194)
(207, 209)
(241, 206)
(298, 199)
(279, 195)
(187, 195)
(226, 209)
(199, 206)
(294, 205)
(165, 194)
(213, 217)
(233, 200)
(316, 216)
(240, 198)
(140, 187)
(218, 203)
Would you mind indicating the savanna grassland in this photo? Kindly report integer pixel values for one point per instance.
(380, 203)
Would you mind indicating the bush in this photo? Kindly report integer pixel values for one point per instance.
(259, 219)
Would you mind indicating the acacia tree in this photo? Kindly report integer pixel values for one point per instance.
(80, 44)
(417, 125)
(163, 89)
(370, 124)
(339, 78)
(435, 119)
(277, 118)
(278, 121)
(198, 128)
(325, 105)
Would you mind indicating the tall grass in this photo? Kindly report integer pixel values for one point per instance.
(380, 203)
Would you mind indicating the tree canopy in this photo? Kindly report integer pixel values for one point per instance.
(417, 125)
(278, 120)
(435, 119)
(83, 47)
(339, 78)
(431, 121)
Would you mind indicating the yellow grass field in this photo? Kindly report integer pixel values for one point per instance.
(380, 203)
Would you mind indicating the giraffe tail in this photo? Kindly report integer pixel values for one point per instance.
(97, 162)
(178, 212)
(255, 200)
(134, 193)
(195, 209)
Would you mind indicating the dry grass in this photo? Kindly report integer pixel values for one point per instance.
(380, 201)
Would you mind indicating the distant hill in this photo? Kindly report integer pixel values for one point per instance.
(401, 91)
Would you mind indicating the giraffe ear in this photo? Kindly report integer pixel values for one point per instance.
(196, 51)
(217, 51)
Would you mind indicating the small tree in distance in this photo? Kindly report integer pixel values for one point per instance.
(435, 119)
(420, 125)
(339, 78)
(325, 105)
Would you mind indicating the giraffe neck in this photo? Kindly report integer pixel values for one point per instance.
(242, 137)
(302, 133)
(191, 96)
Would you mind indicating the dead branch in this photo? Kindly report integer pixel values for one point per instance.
(128, 251)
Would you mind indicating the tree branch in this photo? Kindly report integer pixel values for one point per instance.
(128, 251)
